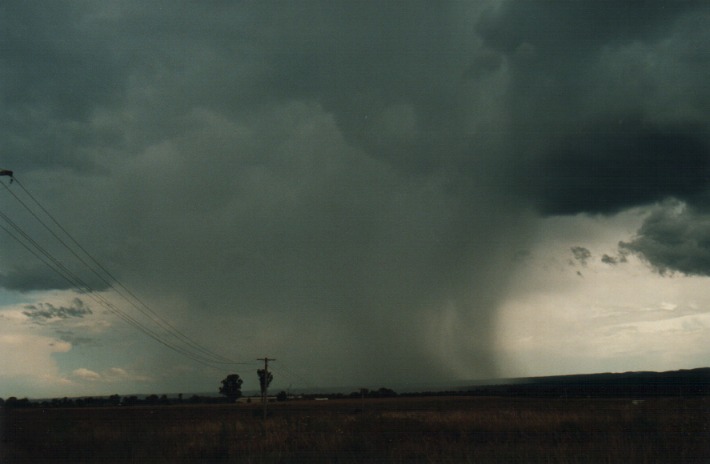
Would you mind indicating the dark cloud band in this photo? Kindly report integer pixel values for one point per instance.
(614, 167)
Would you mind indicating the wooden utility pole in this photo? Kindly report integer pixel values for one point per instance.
(265, 385)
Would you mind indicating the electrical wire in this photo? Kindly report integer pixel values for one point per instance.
(109, 279)
(81, 286)
(281, 368)
(176, 340)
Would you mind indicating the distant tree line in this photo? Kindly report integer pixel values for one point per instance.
(108, 401)
(232, 384)
(693, 382)
(164, 400)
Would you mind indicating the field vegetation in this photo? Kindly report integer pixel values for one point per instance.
(393, 430)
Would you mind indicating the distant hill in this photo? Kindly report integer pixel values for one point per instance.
(691, 382)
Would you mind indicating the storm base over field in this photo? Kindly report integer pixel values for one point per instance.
(373, 193)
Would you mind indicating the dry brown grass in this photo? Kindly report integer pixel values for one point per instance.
(397, 430)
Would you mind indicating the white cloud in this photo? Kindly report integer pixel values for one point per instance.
(86, 374)
(30, 353)
(620, 317)
(27, 362)
(113, 375)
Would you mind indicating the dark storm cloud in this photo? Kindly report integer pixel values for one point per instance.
(42, 312)
(608, 102)
(288, 170)
(344, 181)
(674, 238)
(382, 66)
(563, 24)
(610, 112)
(625, 164)
(57, 70)
(28, 278)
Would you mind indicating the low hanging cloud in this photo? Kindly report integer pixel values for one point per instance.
(28, 277)
(608, 169)
(674, 238)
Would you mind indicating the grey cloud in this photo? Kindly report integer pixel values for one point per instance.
(609, 109)
(38, 270)
(345, 182)
(581, 254)
(607, 100)
(563, 24)
(266, 163)
(58, 69)
(31, 278)
(610, 98)
(614, 260)
(75, 339)
(674, 238)
(607, 169)
(42, 312)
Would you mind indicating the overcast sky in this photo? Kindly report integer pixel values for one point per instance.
(375, 193)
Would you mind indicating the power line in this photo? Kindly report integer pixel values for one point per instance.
(109, 279)
(282, 368)
(80, 285)
(177, 341)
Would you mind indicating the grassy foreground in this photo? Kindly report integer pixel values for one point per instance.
(393, 430)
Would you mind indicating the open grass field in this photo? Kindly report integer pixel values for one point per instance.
(392, 430)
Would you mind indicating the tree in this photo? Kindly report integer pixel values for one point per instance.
(385, 392)
(231, 387)
(265, 379)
